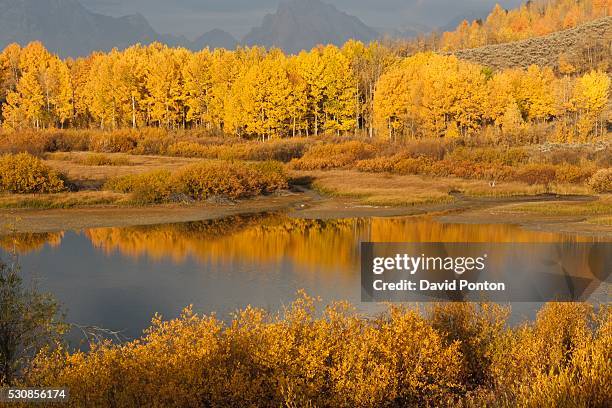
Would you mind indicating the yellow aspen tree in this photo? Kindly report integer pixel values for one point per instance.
(368, 63)
(224, 72)
(398, 106)
(58, 92)
(198, 84)
(591, 96)
(29, 103)
(24, 106)
(100, 93)
(243, 110)
(278, 94)
(537, 93)
(297, 102)
(164, 86)
(494, 23)
(80, 72)
(340, 91)
(469, 89)
(512, 120)
(312, 68)
(261, 97)
(130, 70)
(439, 74)
(9, 70)
(502, 90)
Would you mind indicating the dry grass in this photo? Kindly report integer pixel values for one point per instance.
(380, 189)
(93, 176)
(598, 212)
(91, 159)
(395, 190)
(63, 200)
(604, 221)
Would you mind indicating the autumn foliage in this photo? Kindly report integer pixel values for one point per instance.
(372, 89)
(601, 182)
(201, 181)
(24, 173)
(442, 96)
(449, 355)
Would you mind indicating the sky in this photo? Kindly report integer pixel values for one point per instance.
(194, 17)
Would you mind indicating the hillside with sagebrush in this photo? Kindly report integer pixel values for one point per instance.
(576, 50)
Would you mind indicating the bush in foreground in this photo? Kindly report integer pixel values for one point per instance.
(453, 355)
(23, 173)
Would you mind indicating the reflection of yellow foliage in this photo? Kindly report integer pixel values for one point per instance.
(313, 244)
(29, 242)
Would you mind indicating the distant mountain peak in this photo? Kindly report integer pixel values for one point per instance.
(303, 24)
(215, 38)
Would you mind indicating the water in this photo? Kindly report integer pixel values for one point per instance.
(118, 278)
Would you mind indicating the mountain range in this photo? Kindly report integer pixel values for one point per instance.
(302, 24)
(68, 28)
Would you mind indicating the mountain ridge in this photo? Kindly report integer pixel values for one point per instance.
(302, 24)
(68, 28)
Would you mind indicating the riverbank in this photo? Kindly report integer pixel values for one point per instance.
(577, 214)
(591, 218)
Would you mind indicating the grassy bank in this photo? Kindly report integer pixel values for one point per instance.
(597, 212)
(373, 173)
(383, 189)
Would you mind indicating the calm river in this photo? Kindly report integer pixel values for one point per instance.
(118, 278)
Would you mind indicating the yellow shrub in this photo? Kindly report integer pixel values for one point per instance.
(226, 179)
(377, 164)
(279, 150)
(201, 181)
(24, 174)
(601, 182)
(340, 359)
(152, 187)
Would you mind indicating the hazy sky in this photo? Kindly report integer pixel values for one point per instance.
(194, 17)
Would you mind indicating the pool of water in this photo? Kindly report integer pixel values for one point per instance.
(118, 278)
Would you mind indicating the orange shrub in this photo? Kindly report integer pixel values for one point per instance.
(67, 140)
(190, 149)
(567, 173)
(279, 150)
(537, 174)
(430, 148)
(601, 182)
(201, 181)
(419, 165)
(377, 164)
(233, 180)
(510, 157)
(25, 141)
(23, 173)
(330, 156)
(113, 142)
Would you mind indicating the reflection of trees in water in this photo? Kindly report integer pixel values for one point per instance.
(29, 321)
(29, 242)
(261, 238)
(314, 244)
